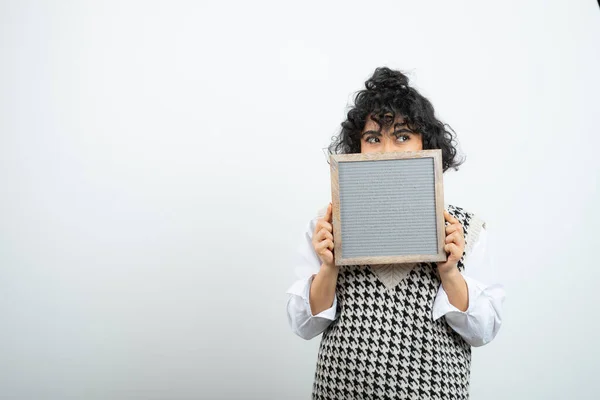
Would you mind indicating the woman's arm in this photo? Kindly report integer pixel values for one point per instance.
(322, 290)
(452, 281)
(312, 304)
(456, 288)
(480, 322)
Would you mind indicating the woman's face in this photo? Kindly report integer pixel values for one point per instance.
(395, 137)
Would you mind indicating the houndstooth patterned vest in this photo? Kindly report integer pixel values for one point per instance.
(385, 344)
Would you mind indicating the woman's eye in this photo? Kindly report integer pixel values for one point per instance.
(402, 138)
(372, 140)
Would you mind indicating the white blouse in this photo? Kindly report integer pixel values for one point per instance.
(478, 325)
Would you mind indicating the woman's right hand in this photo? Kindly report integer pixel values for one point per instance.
(322, 239)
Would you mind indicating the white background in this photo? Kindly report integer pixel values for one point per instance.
(160, 160)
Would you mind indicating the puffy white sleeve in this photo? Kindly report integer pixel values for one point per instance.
(306, 266)
(480, 323)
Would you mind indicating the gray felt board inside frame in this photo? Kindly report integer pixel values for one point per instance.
(388, 207)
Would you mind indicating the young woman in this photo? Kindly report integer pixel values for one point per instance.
(395, 331)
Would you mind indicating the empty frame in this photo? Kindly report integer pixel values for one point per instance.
(388, 208)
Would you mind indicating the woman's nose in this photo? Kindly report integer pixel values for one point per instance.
(388, 145)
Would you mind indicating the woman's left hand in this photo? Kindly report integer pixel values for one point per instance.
(455, 245)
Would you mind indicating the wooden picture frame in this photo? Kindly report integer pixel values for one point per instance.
(348, 200)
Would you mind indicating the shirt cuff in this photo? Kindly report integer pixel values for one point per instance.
(442, 306)
(301, 288)
(479, 324)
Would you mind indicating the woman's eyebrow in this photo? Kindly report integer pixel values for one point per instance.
(376, 133)
(403, 130)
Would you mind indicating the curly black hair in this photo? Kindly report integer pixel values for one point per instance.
(388, 92)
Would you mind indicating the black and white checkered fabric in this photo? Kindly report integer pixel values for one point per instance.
(385, 345)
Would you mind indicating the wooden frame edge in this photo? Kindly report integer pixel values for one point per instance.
(335, 200)
(439, 204)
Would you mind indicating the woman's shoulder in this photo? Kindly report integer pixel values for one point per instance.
(463, 214)
(472, 224)
(321, 212)
(315, 217)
